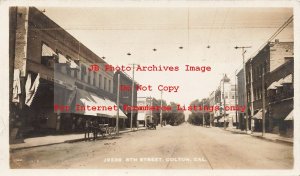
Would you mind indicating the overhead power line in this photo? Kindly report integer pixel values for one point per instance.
(272, 37)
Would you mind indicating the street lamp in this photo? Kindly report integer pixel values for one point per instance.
(245, 88)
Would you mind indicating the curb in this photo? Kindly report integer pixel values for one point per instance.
(264, 138)
(66, 141)
(275, 140)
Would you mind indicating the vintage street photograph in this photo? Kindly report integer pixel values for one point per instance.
(170, 87)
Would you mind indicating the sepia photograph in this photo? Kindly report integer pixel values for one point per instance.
(155, 87)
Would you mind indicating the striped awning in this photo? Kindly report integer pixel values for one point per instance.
(113, 114)
(90, 99)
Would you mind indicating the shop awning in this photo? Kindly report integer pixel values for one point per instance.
(290, 116)
(273, 86)
(288, 79)
(142, 116)
(258, 115)
(279, 83)
(98, 101)
(84, 98)
(90, 99)
(73, 65)
(62, 59)
(276, 84)
(113, 114)
(47, 51)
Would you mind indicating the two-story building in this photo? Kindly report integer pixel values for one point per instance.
(51, 76)
(260, 74)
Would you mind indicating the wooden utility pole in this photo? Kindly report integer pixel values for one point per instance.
(224, 102)
(235, 98)
(118, 105)
(203, 112)
(252, 95)
(161, 108)
(263, 101)
(245, 83)
(132, 97)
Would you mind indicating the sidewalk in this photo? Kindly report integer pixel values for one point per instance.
(56, 139)
(267, 136)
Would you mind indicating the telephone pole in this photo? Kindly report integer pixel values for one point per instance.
(245, 83)
(203, 112)
(161, 108)
(118, 105)
(263, 101)
(224, 102)
(235, 98)
(132, 97)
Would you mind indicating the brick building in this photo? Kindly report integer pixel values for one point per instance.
(270, 59)
(49, 66)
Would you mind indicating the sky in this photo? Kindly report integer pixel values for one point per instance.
(114, 31)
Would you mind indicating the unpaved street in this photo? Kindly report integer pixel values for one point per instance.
(183, 146)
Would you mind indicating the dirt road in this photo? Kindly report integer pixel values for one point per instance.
(183, 146)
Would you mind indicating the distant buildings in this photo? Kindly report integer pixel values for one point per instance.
(224, 97)
(270, 73)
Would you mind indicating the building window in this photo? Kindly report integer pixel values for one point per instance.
(68, 71)
(100, 80)
(75, 74)
(94, 79)
(83, 72)
(109, 85)
(104, 87)
(89, 77)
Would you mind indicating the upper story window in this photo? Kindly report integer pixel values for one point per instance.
(48, 56)
(100, 80)
(89, 77)
(109, 85)
(68, 68)
(94, 79)
(83, 72)
(105, 84)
